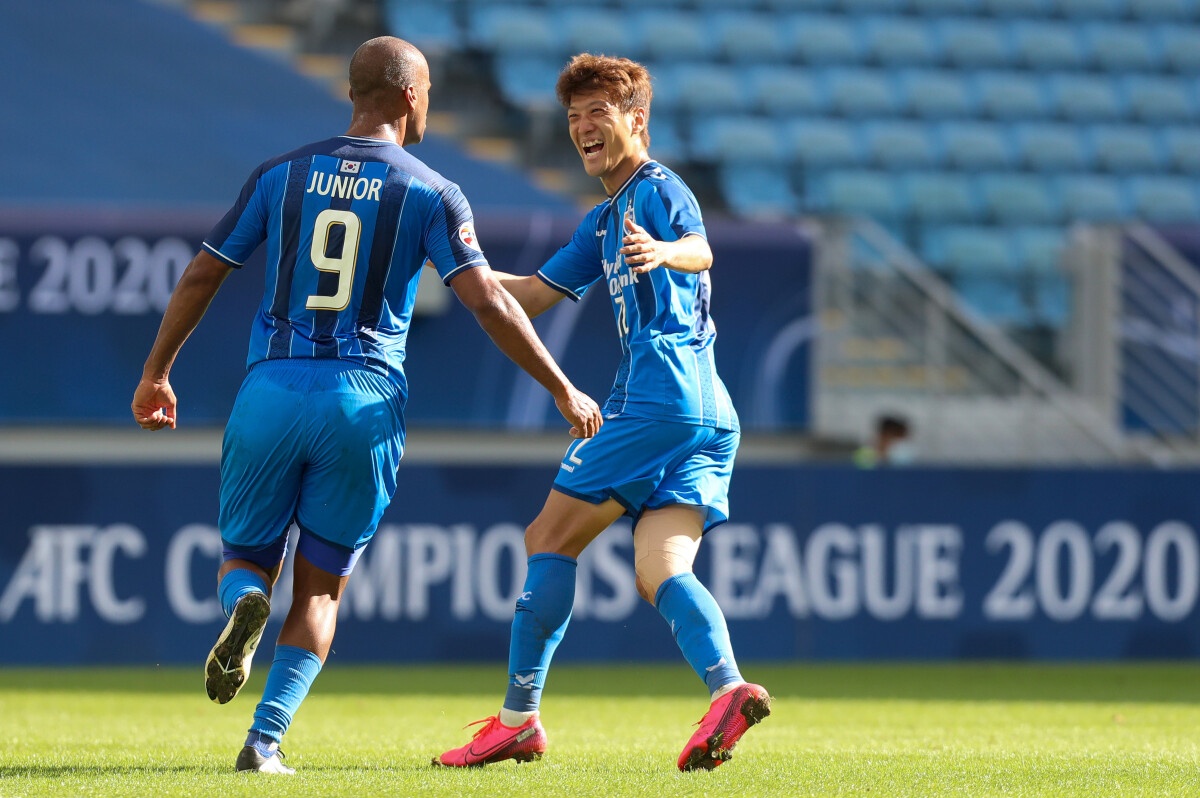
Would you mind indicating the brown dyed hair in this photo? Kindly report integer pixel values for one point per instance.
(625, 82)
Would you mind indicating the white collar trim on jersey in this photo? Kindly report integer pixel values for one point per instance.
(631, 178)
(364, 138)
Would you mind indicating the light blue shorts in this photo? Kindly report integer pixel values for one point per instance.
(315, 441)
(646, 464)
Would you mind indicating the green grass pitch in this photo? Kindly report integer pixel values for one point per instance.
(874, 730)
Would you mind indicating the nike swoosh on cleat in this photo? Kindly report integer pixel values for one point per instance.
(519, 737)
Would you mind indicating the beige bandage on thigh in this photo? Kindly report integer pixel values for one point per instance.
(660, 553)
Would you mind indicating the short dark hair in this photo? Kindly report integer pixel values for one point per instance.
(384, 62)
(892, 425)
(627, 83)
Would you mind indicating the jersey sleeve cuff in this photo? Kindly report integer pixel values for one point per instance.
(219, 254)
(561, 288)
(471, 264)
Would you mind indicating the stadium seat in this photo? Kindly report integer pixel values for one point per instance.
(1052, 300)
(1092, 9)
(1157, 98)
(861, 92)
(939, 197)
(995, 299)
(668, 94)
(758, 192)
(514, 30)
(1183, 148)
(666, 145)
(973, 42)
(1119, 47)
(785, 6)
(672, 36)
(1091, 197)
(823, 142)
(1050, 147)
(784, 91)
(1012, 198)
(1124, 148)
(429, 25)
(1181, 46)
(1018, 8)
(737, 140)
(1084, 97)
(527, 82)
(869, 193)
(710, 86)
(1163, 9)
(975, 145)
(1164, 199)
(895, 40)
(1039, 249)
(946, 8)
(1047, 45)
(935, 93)
(822, 39)
(593, 30)
(748, 37)
(855, 8)
(969, 250)
(1009, 95)
(899, 144)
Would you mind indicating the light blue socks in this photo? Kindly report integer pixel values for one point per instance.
(292, 674)
(698, 626)
(236, 584)
(543, 611)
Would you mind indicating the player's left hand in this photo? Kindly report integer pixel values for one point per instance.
(642, 253)
(154, 404)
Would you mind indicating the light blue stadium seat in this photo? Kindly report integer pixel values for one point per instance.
(594, 30)
(857, 7)
(1012, 198)
(668, 94)
(1183, 148)
(946, 8)
(429, 25)
(528, 81)
(1163, 9)
(784, 91)
(1092, 197)
(708, 6)
(785, 6)
(514, 30)
(758, 192)
(1092, 9)
(973, 42)
(1047, 45)
(1120, 47)
(1157, 198)
(861, 92)
(975, 145)
(1051, 147)
(672, 35)
(821, 39)
(737, 140)
(939, 197)
(1039, 249)
(1052, 300)
(896, 40)
(1157, 98)
(1125, 148)
(856, 192)
(1181, 46)
(969, 250)
(709, 86)
(936, 93)
(666, 145)
(744, 37)
(1019, 8)
(1085, 97)
(822, 143)
(898, 144)
(643, 4)
(995, 299)
(1010, 95)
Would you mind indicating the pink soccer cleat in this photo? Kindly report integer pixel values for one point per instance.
(723, 725)
(495, 742)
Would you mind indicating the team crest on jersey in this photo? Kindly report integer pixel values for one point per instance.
(350, 167)
(466, 234)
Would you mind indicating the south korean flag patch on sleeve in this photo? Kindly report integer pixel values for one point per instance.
(466, 234)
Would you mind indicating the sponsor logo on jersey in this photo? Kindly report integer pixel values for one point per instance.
(350, 167)
(466, 234)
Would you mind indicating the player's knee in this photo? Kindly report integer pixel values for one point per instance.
(542, 537)
(657, 567)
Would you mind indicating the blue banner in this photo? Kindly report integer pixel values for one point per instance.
(117, 565)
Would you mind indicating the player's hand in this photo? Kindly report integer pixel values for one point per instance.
(579, 409)
(154, 404)
(642, 253)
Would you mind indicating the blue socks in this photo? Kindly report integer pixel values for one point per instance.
(543, 611)
(236, 584)
(292, 674)
(698, 626)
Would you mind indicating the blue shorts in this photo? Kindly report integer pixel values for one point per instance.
(315, 441)
(646, 464)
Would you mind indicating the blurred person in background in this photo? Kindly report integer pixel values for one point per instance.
(317, 430)
(892, 445)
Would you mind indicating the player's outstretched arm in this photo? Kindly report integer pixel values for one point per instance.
(154, 401)
(642, 252)
(501, 317)
(534, 295)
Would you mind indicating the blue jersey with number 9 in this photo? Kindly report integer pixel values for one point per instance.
(349, 222)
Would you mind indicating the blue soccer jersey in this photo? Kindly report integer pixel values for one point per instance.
(348, 222)
(667, 369)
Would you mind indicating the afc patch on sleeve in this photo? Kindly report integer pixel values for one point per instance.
(466, 234)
